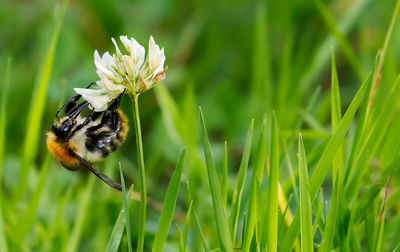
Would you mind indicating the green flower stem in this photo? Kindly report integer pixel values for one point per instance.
(139, 147)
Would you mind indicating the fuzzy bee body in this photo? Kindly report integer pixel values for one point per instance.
(77, 141)
(93, 142)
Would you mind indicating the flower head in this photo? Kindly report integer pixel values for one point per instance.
(131, 72)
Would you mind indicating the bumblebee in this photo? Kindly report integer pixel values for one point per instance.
(77, 142)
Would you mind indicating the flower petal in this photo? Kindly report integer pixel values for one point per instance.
(153, 47)
(97, 98)
(160, 76)
(105, 66)
(127, 43)
(102, 64)
(130, 68)
(109, 86)
(135, 49)
(116, 46)
(156, 57)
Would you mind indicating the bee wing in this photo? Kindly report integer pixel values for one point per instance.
(100, 175)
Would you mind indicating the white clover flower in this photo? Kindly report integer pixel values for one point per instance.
(154, 71)
(105, 65)
(119, 72)
(156, 57)
(135, 50)
(97, 98)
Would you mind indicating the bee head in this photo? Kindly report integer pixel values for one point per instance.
(62, 126)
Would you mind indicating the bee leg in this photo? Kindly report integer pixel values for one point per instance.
(115, 104)
(70, 104)
(77, 110)
(95, 115)
(92, 117)
(100, 175)
(111, 119)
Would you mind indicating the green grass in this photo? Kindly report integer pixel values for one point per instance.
(168, 209)
(305, 202)
(237, 193)
(271, 210)
(219, 209)
(37, 106)
(126, 210)
(316, 169)
(121, 223)
(3, 118)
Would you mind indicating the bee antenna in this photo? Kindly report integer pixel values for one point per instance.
(79, 110)
(75, 97)
(91, 84)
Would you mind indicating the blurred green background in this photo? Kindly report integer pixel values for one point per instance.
(236, 59)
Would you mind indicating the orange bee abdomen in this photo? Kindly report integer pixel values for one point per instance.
(61, 151)
(124, 126)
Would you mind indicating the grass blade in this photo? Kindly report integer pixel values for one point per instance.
(374, 139)
(3, 116)
(168, 208)
(305, 202)
(28, 220)
(252, 216)
(219, 210)
(396, 248)
(237, 193)
(336, 140)
(254, 207)
(197, 222)
(116, 234)
(318, 219)
(329, 230)
(361, 208)
(3, 125)
(37, 105)
(283, 217)
(361, 128)
(272, 190)
(179, 236)
(118, 229)
(380, 238)
(126, 210)
(186, 226)
(293, 139)
(259, 167)
(381, 60)
(259, 163)
(224, 175)
(283, 203)
(336, 112)
(202, 238)
(72, 244)
(323, 165)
